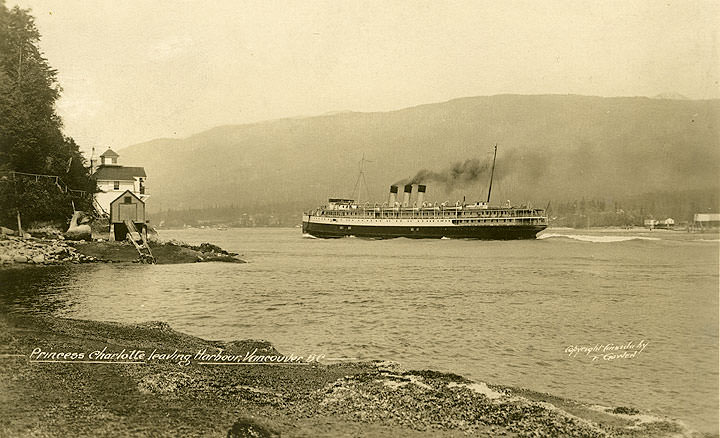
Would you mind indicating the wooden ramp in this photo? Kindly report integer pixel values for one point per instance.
(140, 243)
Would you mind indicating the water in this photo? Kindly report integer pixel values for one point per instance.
(502, 312)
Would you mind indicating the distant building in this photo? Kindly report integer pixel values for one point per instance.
(703, 221)
(114, 179)
(666, 224)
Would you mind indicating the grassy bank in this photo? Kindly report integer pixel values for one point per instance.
(162, 398)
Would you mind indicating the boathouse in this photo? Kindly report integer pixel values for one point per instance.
(127, 207)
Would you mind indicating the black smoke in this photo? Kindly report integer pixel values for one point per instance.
(457, 175)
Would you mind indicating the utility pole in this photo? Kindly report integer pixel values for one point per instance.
(17, 207)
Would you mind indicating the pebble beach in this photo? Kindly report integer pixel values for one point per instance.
(118, 395)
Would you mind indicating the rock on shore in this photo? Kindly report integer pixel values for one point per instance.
(164, 252)
(22, 251)
(163, 398)
(15, 250)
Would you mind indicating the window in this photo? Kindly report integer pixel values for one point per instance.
(127, 200)
(116, 185)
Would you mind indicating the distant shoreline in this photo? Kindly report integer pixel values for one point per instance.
(636, 229)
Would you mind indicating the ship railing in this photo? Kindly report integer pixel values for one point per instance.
(410, 213)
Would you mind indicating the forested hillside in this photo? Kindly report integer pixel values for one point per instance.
(652, 156)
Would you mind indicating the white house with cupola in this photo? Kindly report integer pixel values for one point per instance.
(113, 180)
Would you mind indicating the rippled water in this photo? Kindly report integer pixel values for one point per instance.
(503, 312)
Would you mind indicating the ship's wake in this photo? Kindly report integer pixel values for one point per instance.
(595, 238)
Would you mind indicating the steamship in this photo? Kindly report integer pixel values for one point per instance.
(423, 220)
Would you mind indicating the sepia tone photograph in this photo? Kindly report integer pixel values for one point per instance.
(398, 218)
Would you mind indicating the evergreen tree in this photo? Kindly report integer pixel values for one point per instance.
(31, 137)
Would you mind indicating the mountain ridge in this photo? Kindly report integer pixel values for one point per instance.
(661, 96)
(552, 147)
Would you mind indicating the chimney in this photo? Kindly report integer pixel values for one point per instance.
(393, 196)
(420, 195)
(406, 195)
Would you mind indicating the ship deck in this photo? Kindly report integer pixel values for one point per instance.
(459, 212)
(454, 222)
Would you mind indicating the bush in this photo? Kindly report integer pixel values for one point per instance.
(37, 201)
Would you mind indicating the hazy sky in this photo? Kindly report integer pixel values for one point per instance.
(137, 70)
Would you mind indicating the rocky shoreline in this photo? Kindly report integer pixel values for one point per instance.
(16, 251)
(164, 398)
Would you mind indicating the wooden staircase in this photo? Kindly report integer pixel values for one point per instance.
(140, 243)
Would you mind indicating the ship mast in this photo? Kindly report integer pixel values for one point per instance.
(492, 173)
(361, 178)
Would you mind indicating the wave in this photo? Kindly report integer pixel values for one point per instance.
(308, 236)
(594, 239)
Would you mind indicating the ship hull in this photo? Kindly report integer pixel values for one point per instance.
(490, 232)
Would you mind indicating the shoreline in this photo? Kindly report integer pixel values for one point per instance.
(609, 229)
(317, 399)
(31, 251)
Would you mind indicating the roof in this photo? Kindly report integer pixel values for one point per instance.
(127, 192)
(109, 153)
(119, 173)
(707, 217)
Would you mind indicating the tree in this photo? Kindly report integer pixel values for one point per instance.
(31, 137)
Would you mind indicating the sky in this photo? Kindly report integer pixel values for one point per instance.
(134, 70)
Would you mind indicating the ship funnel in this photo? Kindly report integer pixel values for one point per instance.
(420, 195)
(406, 195)
(393, 196)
